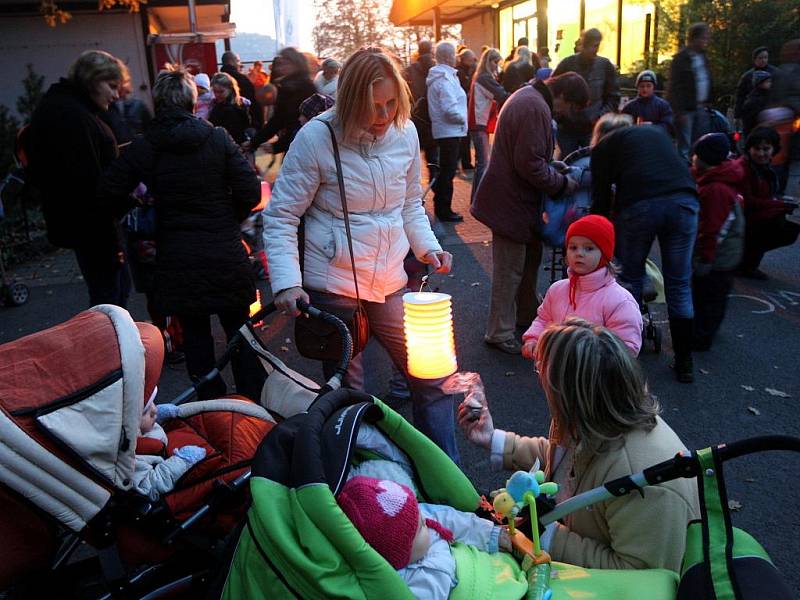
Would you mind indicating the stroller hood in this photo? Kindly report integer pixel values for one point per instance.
(70, 405)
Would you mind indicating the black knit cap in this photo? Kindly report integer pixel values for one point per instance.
(712, 148)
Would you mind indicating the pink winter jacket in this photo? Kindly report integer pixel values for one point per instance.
(599, 299)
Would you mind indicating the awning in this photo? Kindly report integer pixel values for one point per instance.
(420, 12)
(172, 24)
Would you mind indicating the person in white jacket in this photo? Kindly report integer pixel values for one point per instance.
(380, 161)
(447, 107)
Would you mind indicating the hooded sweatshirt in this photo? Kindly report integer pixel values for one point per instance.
(721, 222)
(447, 103)
(203, 188)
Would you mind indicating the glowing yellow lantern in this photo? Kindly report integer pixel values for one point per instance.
(428, 325)
(256, 306)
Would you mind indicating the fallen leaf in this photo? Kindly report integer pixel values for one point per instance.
(734, 505)
(750, 480)
(739, 335)
(509, 373)
(288, 340)
(704, 371)
(451, 276)
(778, 393)
(754, 410)
(475, 283)
(748, 388)
(284, 349)
(774, 366)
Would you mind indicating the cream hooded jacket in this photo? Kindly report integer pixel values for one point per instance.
(382, 183)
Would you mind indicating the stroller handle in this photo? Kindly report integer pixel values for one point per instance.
(682, 465)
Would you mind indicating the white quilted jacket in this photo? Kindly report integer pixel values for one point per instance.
(382, 183)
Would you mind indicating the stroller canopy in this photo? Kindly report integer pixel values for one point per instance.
(71, 400)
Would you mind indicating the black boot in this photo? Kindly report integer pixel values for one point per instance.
(681, 330)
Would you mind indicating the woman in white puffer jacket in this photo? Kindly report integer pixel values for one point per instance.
(379, 152)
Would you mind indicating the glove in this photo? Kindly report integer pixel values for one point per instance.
(191, 454)
(167, 412)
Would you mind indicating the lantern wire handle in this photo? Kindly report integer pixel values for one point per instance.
(424, 283)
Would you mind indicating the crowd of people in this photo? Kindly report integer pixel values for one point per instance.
(350, 182)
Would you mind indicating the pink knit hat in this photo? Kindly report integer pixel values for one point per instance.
(385, 513)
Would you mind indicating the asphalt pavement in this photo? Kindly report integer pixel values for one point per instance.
(747, 385)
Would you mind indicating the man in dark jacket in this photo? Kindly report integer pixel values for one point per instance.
(575, 130)
(68, 148)
(232, 66)
(690, 88)
(203, 187)
(509, 198)
(416, 75)
(465, 65)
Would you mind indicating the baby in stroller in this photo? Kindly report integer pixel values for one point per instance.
(415, 537)
(155, 475)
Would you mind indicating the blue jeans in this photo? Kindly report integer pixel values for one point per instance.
(673, 220)
(480, 139)
(689, 126)
(432, 409)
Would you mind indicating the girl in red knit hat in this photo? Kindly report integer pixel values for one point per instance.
(591, 291)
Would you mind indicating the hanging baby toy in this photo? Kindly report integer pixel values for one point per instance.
(522, 488)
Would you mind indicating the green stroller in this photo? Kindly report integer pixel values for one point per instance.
(297, 543)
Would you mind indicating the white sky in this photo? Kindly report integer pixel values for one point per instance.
(256, 16)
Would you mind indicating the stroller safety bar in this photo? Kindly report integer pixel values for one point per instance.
(682, 465)
(239, 338)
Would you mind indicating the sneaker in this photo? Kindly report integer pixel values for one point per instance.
(684, 369)
(753, 274)
(511, 346)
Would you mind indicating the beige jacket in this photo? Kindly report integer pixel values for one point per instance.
(630, 532)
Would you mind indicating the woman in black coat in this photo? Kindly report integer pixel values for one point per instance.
(203, 187)
(229, 110)
(291, 76)
(68, 148)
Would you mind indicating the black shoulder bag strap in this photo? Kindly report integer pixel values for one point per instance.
(340, 178)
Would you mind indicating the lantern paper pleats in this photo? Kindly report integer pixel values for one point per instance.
(428, 325)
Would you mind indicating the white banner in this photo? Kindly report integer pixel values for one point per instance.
(287, 19)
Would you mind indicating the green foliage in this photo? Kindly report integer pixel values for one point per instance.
(737, 27)
(33, 90)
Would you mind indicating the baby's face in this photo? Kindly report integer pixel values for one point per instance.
(422, 541)
(148, 419)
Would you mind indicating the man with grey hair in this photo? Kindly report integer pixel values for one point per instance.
(447, 107)
(327, 80)
(232, 66)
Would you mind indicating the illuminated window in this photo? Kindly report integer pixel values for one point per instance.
(507, 40)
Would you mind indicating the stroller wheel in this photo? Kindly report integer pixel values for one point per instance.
(656, 339)
(17, 294)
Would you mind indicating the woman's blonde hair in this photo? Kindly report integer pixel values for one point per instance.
(354, 101)
(594, 387)
(94, 66)
(487, 57)
(230, 84)
(607, 123)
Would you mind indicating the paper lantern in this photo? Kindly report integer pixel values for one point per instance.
(428, 325)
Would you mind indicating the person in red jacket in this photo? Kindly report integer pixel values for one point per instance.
(765, 215)
(720, 234)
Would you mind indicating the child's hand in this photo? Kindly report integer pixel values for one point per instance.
(191, 454)
(504, 541)
(478, 431)
(528, 349)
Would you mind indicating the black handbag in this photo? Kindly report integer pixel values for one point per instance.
(317, 339)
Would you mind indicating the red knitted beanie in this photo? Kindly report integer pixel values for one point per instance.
(386, 515)
(598, 229)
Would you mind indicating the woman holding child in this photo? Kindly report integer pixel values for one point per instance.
(604, 425)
